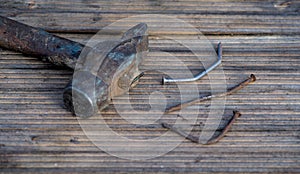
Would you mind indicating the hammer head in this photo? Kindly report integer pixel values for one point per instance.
(92, 88)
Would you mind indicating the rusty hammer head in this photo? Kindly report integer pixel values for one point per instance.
(110, 69)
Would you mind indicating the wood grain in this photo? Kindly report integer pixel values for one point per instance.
(38, 135)
(214, 17)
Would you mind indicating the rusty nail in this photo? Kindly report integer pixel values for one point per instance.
(251, 79)
(212, 140)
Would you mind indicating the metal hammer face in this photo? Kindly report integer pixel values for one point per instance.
(98, 78)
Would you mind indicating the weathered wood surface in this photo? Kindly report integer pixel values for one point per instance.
(213, 17)
(38, 135)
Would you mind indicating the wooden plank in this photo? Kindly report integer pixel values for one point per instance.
(251, 17)
(163, 7)
(208, 24)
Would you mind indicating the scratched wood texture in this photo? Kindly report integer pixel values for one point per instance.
(262, 37)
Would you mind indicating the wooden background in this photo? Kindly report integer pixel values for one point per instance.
(261, 37)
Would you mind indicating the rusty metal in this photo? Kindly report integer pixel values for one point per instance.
(93, 88)
(249, 80)
(200, 75)
(38, 43)
(122, 60)
(213, 139)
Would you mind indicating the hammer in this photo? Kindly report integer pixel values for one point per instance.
(117, 71)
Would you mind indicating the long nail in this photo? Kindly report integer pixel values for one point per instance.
(230, 91)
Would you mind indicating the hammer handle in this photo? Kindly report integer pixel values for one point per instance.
(38, 43)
